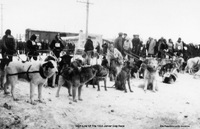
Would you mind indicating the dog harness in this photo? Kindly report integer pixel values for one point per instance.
(42, 73)
(27, 73)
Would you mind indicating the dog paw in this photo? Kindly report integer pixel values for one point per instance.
(15, 99)
(80, 99)
(33, 103)
(57, 95)
(98, 90)
(131, 91)
(125, 91)
(74, 100)
(41, 101)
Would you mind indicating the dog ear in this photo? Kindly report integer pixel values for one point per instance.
(50, 58)
(143, 65)
(47, 65)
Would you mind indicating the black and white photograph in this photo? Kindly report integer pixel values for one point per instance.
(99, 64)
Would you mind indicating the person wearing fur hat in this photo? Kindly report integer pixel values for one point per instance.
(57, 45)
(32, 47)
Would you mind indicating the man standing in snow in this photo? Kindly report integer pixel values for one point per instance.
(118, 43)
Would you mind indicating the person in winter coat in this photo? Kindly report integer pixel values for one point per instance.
(170, 45)
(32, 47)
(162, 47)
(89, 48)
(156, 48)
(151, 43)
(118, 43)
(123, 41)
(179, 47)
(8, 47)
(114, 53)
(136, 43)
(57, 45)
(98, 48)
(143, 51)
(71, 47)
(127, 46)
(105, 47)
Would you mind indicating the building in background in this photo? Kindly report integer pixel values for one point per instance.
(46, 35)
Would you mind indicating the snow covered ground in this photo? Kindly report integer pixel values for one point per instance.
(174, 105)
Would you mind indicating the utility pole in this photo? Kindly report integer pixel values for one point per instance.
(1, 20)
(87, 16)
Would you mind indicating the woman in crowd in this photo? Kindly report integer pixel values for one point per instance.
(32, 47)
(127, 46)
(114, 53)
(57, 45)
(170, 45)
(9, 46)
(89, 48)
(179, 47)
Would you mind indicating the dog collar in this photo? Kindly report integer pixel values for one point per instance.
(150, 69)
(42, 73)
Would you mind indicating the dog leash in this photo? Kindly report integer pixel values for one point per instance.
(132, 55)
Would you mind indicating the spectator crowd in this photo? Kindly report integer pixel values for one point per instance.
(121, 47)
(159, 48)
(32, 47)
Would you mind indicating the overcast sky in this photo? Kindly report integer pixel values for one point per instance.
(148, 18)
